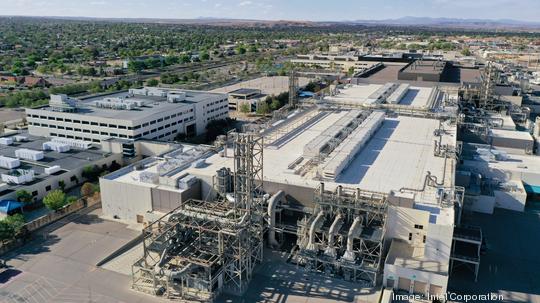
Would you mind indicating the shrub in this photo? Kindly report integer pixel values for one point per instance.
(55, 200)
(87, 189)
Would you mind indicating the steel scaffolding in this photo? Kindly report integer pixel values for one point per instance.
(345, 236)
(204, 248)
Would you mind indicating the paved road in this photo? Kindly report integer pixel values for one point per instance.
(60, 266)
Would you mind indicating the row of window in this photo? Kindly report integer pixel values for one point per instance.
(106, 124)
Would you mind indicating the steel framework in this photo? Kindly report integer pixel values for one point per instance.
(345, 237)
(203, 248)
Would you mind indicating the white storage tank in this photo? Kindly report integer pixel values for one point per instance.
(28, 154)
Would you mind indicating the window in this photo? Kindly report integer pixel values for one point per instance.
(122, 127)
(93, 123)
(85, 122)
(48, 187)
(417, 226)
(67, 120)
(95, 132)
(410, 236)
(424, 240)
(103, 124)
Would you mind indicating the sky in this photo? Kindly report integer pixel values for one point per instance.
(310, 10)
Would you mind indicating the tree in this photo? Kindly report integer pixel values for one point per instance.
(91, 172)
(11, 226)
(23, 196)
(240, 50)
(263, 108)
(55, 200)
(205, 56)
(62, 185)
(466, 51)
(87, 189)
(152, 82)
(245, 108)
(71, 199)
(275, 105)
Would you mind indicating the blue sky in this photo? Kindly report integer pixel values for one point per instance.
(315, 10)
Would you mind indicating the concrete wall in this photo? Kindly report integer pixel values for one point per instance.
(123, 200)
(482, 204)
(510, 200)
(395, 272)
(401, 221)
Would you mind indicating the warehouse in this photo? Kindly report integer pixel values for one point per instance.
(147, 113)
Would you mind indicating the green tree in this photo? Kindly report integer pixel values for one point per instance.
(71, 199)
(245, 108)
(152, 82)
(62, 185)
(466, 51)
(11, 226)
(23, 196)
(263, 108)
(240, 50)
(205, 56)
(55, 200)
(275, 105)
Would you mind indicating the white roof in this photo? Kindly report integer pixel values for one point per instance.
(358, 94)
(511, 134)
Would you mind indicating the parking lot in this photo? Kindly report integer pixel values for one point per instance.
(59, 265)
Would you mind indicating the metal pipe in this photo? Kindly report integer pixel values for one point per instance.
(272, 203)
(319, 219)
(356, 227)
(334, 228)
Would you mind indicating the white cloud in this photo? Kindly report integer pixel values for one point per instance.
(245, 3)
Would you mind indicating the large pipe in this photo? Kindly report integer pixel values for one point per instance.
(314, 225)
(334, 228)
(272, 203)
(353, 231)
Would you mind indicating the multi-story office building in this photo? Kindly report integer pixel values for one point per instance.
(147, 113)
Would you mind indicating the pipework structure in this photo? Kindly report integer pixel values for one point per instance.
(204, 248)
(345, 235)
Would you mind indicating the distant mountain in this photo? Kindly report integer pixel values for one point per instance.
(453, 22)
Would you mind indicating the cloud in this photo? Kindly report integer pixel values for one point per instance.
(245, 3)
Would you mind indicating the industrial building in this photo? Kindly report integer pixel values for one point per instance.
(343, 62)
(423, 70)
(147, 113)
(249, 96)
(315, 177)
